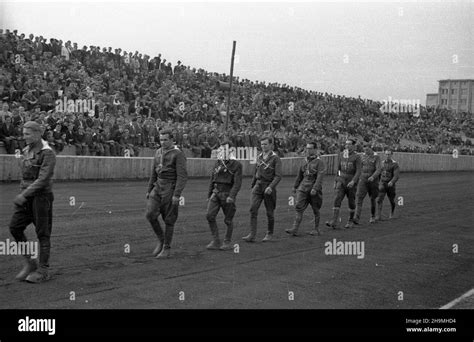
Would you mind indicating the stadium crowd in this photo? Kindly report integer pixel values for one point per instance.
(104, 101)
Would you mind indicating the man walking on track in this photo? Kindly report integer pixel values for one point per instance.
(226, 180)
(266, 177)
(167, 181)
(345, 184)
(309, 189)
(389, 176)
(35, 202)
(368, 182)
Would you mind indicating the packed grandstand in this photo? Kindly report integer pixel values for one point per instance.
(125, 98)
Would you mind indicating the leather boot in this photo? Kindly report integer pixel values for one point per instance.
(30, 265)
(335, 218)
(253, 230)
(296, 224)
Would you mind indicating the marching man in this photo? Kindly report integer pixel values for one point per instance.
(345, 184)
(225, 183)
(266, 177)
(167, 181)
(389, 176)
(368, 182)
(34, 204)
(309, 189)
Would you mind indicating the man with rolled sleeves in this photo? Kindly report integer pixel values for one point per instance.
(389, 175)
(266, 177)
(368, 182)
(308, 188)
(226, 180)
(167, 181)
(34, 204)
(345, 184)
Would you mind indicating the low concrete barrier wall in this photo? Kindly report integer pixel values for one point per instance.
(108, 168)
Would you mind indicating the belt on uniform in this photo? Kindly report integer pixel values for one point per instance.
(263, 180)
(222, 186)
(347, 174)
(165, 180)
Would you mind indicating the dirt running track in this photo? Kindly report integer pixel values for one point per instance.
(412, 254)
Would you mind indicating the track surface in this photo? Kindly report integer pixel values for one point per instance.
(411, 256)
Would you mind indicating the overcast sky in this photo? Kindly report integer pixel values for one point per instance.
(376, 50)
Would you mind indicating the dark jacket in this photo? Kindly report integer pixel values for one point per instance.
(350, 168)
(390, 171)
(310, 175)
(7, 131)
(37, 169)
(227, 173)
(370, 165)
(267, 170)
(170, 165)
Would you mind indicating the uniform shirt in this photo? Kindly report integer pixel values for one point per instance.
(310, 175)
(370, 165)
(350, 168)
(268, 169)
(37, 169)
(226, 172)
(390, 171)
(171, 165)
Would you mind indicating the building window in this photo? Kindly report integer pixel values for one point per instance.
(454, 102)
(462, 102)
(453, 91)
(463, 91)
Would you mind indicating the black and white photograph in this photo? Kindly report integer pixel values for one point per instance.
(249, 168)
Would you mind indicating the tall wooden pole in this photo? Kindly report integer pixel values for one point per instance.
(230, 86)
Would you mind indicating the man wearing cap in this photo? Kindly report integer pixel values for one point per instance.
(167, 181)
(266, 177)
(368, 182)
(389, 175)
(308, 188)
(345, 184)
(34, 204)
(226, 180)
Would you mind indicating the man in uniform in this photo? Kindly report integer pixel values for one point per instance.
(226, 180)
(266, 177)
(368, 182)
(308, 189)
(34, 204)
(167, 181)
(345, 184)
(389, 176)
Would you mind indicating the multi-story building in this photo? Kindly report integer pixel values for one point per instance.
(453, 94)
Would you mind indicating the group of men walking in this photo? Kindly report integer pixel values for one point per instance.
(358, 175)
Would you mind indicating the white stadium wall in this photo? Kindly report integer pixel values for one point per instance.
(83, 168)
